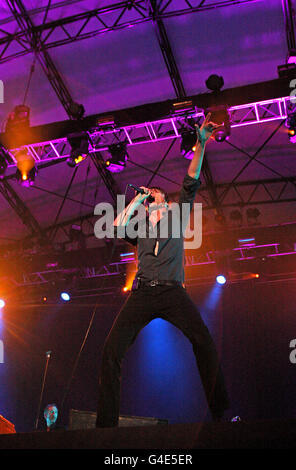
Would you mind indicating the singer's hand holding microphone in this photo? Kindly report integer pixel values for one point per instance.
(143, 193)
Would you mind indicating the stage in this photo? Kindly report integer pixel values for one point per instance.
(224, 435)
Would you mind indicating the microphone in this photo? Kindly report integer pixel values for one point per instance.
(139, 190)
(142, 191)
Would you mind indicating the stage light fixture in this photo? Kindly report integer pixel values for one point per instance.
(188, 143)
(215, 83)
(18, 119)
(220, 116)
(75, 232)
(79, 143)
(220, 219)
(118, 157)
(221, 279)
(26, 179)
(65, 296)
(223, 266)
(291, 125)
(253, 215)
(26, 171)
(77, 236)
(2, 303)
(236, 218)
(17, 128)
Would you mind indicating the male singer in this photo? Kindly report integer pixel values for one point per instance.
(159, 293)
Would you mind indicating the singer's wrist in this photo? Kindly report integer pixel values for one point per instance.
(140, 198)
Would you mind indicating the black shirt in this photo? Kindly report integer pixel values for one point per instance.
(168, 264)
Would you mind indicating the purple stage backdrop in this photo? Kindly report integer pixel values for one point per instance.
(252, 324)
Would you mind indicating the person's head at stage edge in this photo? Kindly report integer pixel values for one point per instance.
(50, 415)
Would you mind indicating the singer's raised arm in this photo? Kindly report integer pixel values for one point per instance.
(203, 135)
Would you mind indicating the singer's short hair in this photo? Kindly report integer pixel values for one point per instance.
(50, 405)
(166, 196)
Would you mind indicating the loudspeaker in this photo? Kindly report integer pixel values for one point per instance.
(87, 420)
(6, 427)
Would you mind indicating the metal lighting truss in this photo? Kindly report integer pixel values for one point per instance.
(96, 22)
(242, 253)
(154, 8)
(277, 195)
(32, 38)
(21, 209)
(118, 269)
(155, 131)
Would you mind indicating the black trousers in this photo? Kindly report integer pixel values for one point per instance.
(142, 306)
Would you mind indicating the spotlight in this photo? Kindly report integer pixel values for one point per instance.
(291, 125)
(18, 119)
(79, 143)
(188, 143)
(125, 289)
(118, 159)
(2, 303)
(221, 279)
(65, 296)
(236, 218)
(26, 179)
(75, 232)
(220, 116)
(77, 236)
(252, 216)
(220, 219)
(26, 170)
(17, 128)
(215, 83)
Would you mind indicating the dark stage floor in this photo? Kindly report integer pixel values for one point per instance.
(240, 435)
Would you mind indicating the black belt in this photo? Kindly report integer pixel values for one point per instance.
(141, 283)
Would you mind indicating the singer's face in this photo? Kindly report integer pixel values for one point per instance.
(158, 196)
(51, 414)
